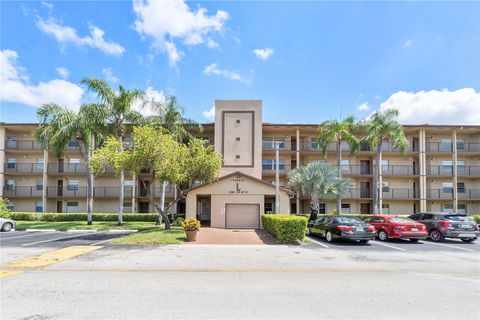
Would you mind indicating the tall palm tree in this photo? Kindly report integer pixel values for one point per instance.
(320, 181)
(380, 127)
(58, 125)
(119, 111)
(338, 132)
(169, 115)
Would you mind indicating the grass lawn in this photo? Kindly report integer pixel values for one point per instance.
(154, 236)
(82, 225)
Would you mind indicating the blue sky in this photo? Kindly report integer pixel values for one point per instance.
(307, 61)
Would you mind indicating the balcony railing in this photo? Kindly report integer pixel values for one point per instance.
(468, 147)
(66, 192)
(67, 168)
(399, 170)
(398, 193)
(388, 147)
(468, 194)
(284, 145)
(269, 169)
(23, 168)
(105, 192)
(439, 170)
(462, 194)
(22, 191)
(22, 145)
(353, 169)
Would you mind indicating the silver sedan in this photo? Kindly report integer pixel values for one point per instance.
(6, 224)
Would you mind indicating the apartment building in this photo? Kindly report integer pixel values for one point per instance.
(439, 172)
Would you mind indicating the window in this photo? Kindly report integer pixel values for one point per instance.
(345, 165)
(127, 205)
(74, 160)
(346, 208)
(73, 184)
(10, 184)
(427, 216)
(321, 208)
(268, 207)
(269, 164)
(385, 165)
(72, 207)
(447, 187)
(447, 165)
(72, 144)
(39, 185)
(10, 206)
(39, 163)
(447, 207)
(39, 206)
(462, 208)
(460, 144)
(314, 145)
(386, 208)
(11, 163)
(385, 186)
(446, 145)
(128, 183)
(269, 143)
(461, 166)
(461, 187)
(12, 142)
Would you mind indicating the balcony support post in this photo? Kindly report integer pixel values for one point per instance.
(2, 160)
(277, 178)
(454, 171)
(134, 194)
(297, 154)
(44, 180)
(422, 168)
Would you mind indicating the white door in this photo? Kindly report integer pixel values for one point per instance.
(242, 216)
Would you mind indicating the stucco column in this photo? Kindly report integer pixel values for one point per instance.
(134, 193)
(454, 171)
(380, 186)
(297, 153)
(422, 157)
(2, 160)
(45, 180)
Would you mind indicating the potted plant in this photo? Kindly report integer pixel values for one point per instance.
(191, 227)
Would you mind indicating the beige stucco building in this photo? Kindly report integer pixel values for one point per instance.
(439, 172)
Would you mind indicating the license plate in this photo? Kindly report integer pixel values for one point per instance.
(465, 226)
(414, 229)
(359, 229)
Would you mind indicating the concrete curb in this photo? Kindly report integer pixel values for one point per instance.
(79, 230)
(122, 231)
(40, 230)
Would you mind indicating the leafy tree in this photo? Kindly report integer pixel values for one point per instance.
(167, 159)
(338, 132)
(4, 211)
(119, 111)
(319, 181)
(58, 125)
(383, 126)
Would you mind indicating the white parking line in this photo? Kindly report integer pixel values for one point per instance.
(103, 241)
(26, 235)
(387, 245)
(317, 242)
(50, 240)
(447, 245)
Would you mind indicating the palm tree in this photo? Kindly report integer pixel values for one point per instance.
(338, 132)
(380, 127)
(169, 115)
(320, 181)
(58, 125)
(119, 110)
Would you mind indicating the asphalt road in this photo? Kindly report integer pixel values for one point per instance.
(315, 281)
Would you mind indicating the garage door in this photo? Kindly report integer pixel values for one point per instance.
(242, 216)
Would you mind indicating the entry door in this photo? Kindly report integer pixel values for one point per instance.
(364, 166)
(242, 216)
(365, 189)
(144, 207)
(204, 209)
(144, 185)
(364, 208)
(60, 188)
(60, 165)
(59, 206)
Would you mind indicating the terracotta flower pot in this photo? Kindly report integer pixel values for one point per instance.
(191, 235)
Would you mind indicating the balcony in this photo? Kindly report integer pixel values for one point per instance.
(468, 147)
(11, 168)
(462, 194)
(270, 170)
(399, 170)
(111, 192)
(398, 193)
(10, 192)
(282, 146)
(388, 147)
(70, 168)
(22, 145)
(156, 192)
(354, 170)
(438, 170)
(66, 192)
(468, 194)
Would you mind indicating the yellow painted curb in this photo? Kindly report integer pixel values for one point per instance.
(50, 257)
(8, 273)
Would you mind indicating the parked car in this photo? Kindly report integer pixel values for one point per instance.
(342, 227)
(6, 224)
(391, 227)
(441, 225)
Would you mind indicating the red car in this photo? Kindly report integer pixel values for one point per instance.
(397, 228)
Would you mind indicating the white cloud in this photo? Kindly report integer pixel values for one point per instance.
(213, 69)
(16, 87)
(151, 95)
(211, 43)
(436, 107)
(107, 73)
(62, 72)
(377, 97)
(263, 54)
(47, 5)
(408, 44)
(209, 114)
(165, 21)
(65, 34)
(364, 106)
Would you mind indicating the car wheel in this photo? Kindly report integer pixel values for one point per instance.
(469, 240)
(414, 240)
(382, 235)
(436, 236)
(7, 226)
(307, 232)
(363, 241)
(329, 236)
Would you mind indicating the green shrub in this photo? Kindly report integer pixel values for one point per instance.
(25, 216)
(4, 211)
(285, 228)
(475, 217)
(178, 222)
(64, 217)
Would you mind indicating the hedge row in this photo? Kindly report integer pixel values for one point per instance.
(62, 217)
(285, 228)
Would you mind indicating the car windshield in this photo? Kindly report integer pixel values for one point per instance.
(347, 220)
(396, 219)
(457, 218)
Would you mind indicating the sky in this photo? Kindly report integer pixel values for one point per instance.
(308, 61)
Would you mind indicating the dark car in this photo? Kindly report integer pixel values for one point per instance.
(342, 227)
(441, 225)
